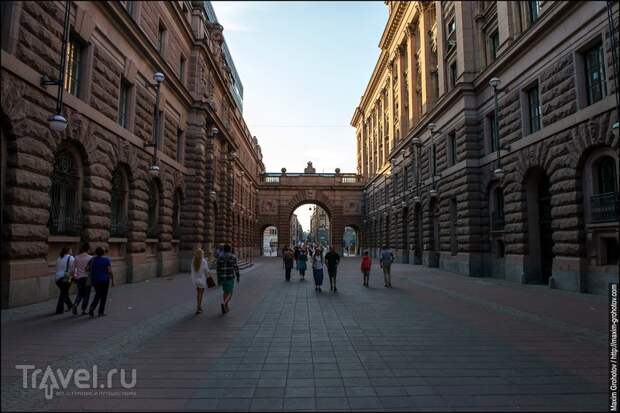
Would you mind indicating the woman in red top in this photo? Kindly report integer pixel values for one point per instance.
(366, 263)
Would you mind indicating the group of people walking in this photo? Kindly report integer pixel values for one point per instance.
(86, 271)
(298, 257)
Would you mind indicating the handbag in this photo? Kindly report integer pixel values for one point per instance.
(67, 277)
(210, 282)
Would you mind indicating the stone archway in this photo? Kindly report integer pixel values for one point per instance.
(341, 199)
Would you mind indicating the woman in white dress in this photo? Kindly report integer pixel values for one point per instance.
(199, 271)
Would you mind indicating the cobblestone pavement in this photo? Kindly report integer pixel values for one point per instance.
(436, 341)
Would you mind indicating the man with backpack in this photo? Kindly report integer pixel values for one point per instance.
(386, 260)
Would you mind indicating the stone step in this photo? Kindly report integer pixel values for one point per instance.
(244, 264)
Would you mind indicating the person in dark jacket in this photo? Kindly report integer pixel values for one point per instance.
(288, 259)
(332, 258)
(227, 271)
(100, 268)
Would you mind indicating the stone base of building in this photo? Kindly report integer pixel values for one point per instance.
(461, 263)
(431, 259)
(23, 284)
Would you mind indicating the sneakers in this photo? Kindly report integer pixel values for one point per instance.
(74, 310)
(223, 308)
(335, 290)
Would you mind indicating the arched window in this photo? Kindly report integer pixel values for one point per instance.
(153, 212)
(118, 208)
(606, 177)
(65, 193)
(176, 216)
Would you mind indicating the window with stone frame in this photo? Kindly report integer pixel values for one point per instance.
(118, 205)
(123, 104)
(153, 211)
(493, 45)
(65, 194)
(594, 65)
(73, 65)
(606, 177)
(453, 75)
(452, 148)
(497, 214)
(182, 64)
(534, 110)
(533, 10)
(180, 152)
(161, 38)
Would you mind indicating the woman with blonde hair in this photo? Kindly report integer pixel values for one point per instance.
(199, 271)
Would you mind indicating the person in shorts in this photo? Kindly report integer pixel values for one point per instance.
(227, 271)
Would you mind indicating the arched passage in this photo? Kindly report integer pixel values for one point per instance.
(269, 239)
(540, 233)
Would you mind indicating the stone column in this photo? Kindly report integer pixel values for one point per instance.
(412, 74)
(426, 61)
(194, 207)
(465, 62)
(391, 104)
(440, 45)
(403, 115)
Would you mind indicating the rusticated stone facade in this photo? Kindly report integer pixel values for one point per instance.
(98, 168)
(551, 215)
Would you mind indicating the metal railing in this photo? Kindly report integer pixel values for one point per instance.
(604, 207)
(497, 221)
(276, 177)
(118, 229)
(65, 225)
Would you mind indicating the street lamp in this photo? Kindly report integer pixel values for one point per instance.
(495, 84)
(158, 77)
(57, 121)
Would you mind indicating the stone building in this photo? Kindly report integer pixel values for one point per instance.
(319, 226)
(529, 193)
(297, 231)
(92, 181)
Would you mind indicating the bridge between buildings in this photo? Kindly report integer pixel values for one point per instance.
(339, 194)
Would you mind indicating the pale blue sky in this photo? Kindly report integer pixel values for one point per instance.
(304, 67)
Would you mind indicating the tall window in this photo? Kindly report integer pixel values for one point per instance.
(453, 75)
(119, 204)
(498, 212)
(533, 8)
(494, 44)
(606, 177)
(65, 217)
(123, 104)
(453, 224)
(153, 211)
(452, 147)
(533, 104)
(434, 159)
(595, 74)
(492, 131)
(161, 38)
(182, 69)
(180, 145)
(73, 65)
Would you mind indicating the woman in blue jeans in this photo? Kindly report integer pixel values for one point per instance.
(101, 276)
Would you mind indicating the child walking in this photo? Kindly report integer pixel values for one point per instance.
(366, 264)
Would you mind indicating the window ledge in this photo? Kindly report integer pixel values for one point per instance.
(63, 238)
(117, 240)
(151, 241)
(175, 241)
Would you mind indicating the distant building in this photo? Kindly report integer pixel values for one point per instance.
(297, 233)
(270, 242)
(319, 226)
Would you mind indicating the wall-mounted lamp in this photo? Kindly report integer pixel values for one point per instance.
(57, 121)
(495, 83)
(432, 127)
(158, 77)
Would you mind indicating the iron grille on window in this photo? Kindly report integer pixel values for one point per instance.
(605, 207)
(595, 74)
(497, 221)
(119, 199)
(65, 218)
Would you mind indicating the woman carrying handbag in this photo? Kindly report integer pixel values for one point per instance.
(200, 277)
